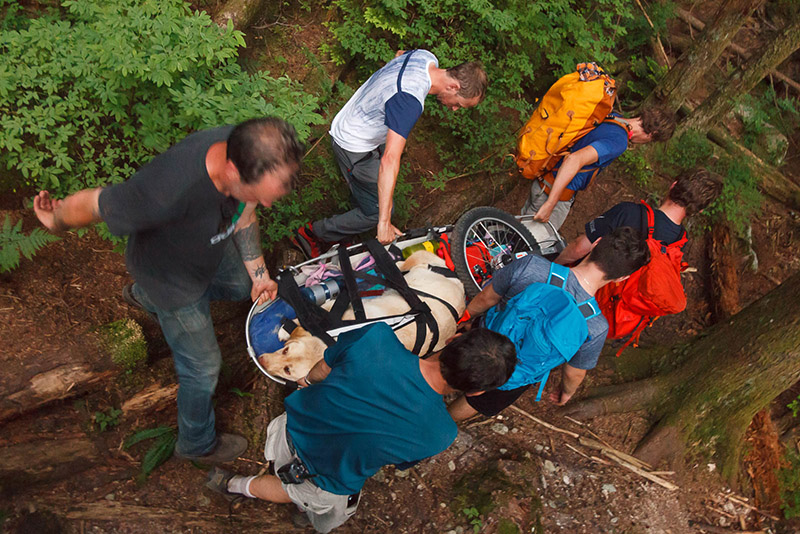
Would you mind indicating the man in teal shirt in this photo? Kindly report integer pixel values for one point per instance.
(370, 402)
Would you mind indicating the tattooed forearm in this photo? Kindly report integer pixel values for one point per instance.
(246, 240)
(260, 270)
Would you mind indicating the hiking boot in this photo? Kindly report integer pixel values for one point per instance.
(228, 448)
(218, 482)
(305, 240)
(127, 296)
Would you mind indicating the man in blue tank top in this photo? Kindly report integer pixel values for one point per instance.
(370, 133)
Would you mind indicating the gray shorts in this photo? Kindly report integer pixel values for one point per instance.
(537, 199)
(324, 509)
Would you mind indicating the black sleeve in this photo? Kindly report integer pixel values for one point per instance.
(147, 200)
(623, 214)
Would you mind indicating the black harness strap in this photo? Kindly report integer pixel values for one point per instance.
(351, 285)
(394, 279)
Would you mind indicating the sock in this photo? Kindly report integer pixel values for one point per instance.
(240, 484)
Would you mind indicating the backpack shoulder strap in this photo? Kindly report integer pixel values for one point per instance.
(619, 121)
(589, 308)
(648, 219)
(402, 70)
(558, 275)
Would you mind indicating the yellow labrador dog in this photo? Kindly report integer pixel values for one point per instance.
(302, 350)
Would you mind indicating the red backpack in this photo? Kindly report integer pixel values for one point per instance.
(654, 290)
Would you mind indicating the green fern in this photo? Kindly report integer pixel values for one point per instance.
(14, 242)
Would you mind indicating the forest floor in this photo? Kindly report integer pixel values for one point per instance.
(501, 470)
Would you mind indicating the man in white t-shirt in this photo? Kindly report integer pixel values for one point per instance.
(369, 135)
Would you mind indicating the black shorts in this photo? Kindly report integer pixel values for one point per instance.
(495, 401)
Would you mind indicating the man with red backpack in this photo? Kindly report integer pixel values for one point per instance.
(656, 290)
(549, 313)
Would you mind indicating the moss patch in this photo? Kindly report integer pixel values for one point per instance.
(503, 488)
(124, 340)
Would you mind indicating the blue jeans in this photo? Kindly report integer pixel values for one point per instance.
(190, 334)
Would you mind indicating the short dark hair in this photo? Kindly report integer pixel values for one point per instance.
(478, 360)
(620, 253)
(472, 79)
(658, 122)
(696, 190)
(257, 146)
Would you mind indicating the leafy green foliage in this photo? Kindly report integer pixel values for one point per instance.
(474, 517)
(515, 40)
(789, 475)
(159, 452)
(13, 243)
(646, 75)
(107, 420)
(241, 394)
(740, 199)
(635, 165)
(89, 94)
(685, 152)
(766, 119)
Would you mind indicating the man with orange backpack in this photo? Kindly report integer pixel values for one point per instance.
(655, 289)
(573, 134)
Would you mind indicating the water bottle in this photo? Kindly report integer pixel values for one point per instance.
(324, 291)
(425, 245)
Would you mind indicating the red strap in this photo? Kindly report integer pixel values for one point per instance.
(651, 219)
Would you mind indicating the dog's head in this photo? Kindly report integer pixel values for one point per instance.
(300, 353)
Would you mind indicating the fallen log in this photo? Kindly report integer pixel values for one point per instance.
(153, 397)
(773, 183)
(119, 512)
(34, 462)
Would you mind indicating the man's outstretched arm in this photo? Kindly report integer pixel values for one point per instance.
(571, 165)
(387, 179)
(576, 250)
(247, 241)
(76, 211)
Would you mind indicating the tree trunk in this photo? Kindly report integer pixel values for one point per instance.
(683, 77)
(732, 371)
(724, 275)
(763, 61)
(241, 13)
(33, 462)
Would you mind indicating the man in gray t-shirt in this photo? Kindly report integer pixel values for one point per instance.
(613, 258)
(369, 135)
(189, 215)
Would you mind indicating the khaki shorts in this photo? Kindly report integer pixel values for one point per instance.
(324, 509)
(537, 199)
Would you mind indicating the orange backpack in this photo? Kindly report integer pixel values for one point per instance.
(652, 291)
(570, 109)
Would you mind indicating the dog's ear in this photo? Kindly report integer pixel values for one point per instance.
(299, 332)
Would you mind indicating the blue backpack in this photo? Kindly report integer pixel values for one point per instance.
(546, 325)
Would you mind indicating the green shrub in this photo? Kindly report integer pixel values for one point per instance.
(685, 152)
(635, 165)
(768, 120)
(89, 94)
(789, 475)
(740, 198)
(13, 243)
(516, 40)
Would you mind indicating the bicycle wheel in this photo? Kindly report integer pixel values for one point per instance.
(485, 239)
